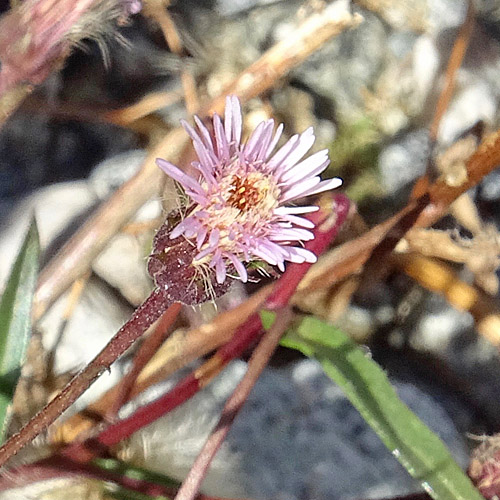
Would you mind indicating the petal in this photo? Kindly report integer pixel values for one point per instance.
(292, 234)
(259, 140)
(191, 131)
(306, 140)
(310, 167)
(299, 255)
(200, 199)
(233, 120)
(238, 265)
(283, 152)
(200, 238)
(178, 230)
(220, 270)
(207, 158)
(205, 134)
(299, 221)
(295, 210)
(298, 190)
(213, 239)
(265, 254)
(220, 139)
(267, 137)
(333, 183)
(275, 140)
(177, 174)
(204, 253)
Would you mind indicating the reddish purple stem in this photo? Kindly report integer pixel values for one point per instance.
(144, 316)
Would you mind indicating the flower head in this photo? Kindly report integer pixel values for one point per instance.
(239, 210)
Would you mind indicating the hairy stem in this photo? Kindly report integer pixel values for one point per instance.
(143, 356)
(145, 315)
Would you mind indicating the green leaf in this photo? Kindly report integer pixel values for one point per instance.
(416, 447)
(15, 320)
(134, 472)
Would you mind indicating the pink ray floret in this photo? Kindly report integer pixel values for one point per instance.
(239, 209)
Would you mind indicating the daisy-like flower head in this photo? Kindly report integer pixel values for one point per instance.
(240, 210)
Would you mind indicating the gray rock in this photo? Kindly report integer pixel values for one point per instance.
(122, 262)
(232, 7)
(446, 14)
(346, 65)
(55, 208)
(490, 187)
(110, 174)
(296, 436)
(404, 160)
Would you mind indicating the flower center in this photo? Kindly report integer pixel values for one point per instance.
(253, 191)
(243, 193)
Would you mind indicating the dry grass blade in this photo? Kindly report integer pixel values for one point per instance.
(440, 278)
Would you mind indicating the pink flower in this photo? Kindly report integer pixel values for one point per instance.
(239, 209)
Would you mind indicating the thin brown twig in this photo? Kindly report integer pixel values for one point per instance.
(147, 105)
(256, 365)
(454, 63)
(162, 16)
(78, 253)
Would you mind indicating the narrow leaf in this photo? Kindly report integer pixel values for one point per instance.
(416, 447)
(15, 320)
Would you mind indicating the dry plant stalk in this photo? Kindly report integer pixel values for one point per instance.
(155, 9)
(78, 253)
(258, 361)
(349, 257)
(440, 278)
(37, 35)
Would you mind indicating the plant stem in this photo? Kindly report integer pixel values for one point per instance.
(57, 467)
(142, 357)
(145, 315)
(256, 365)
(185, 389)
